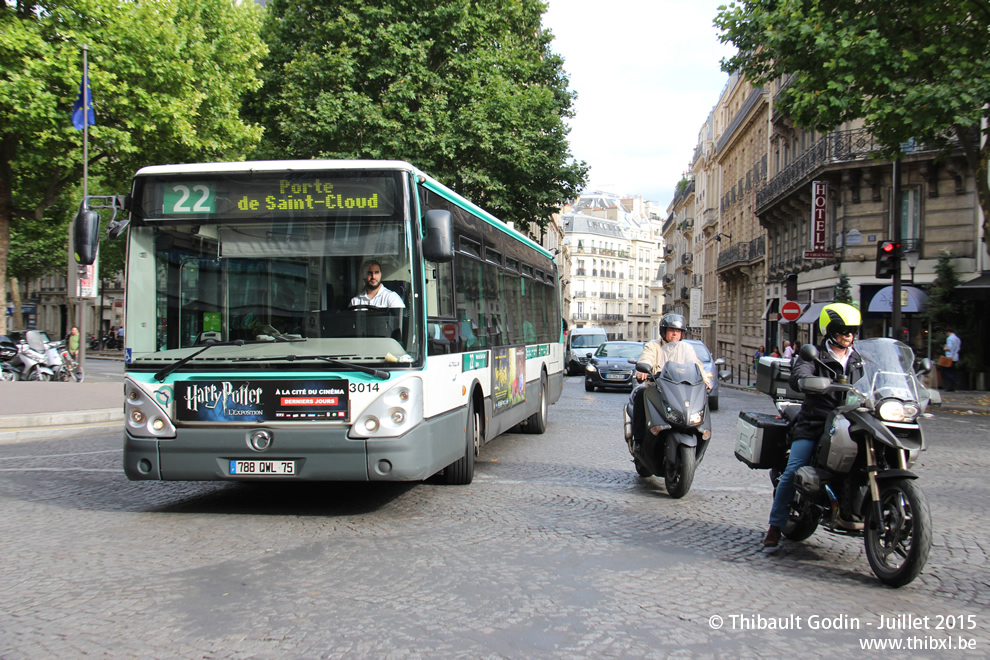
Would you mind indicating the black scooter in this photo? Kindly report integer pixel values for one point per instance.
(677, 420)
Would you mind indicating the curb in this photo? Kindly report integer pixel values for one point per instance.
(47, 426)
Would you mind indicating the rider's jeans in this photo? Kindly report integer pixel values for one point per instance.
(801, 451)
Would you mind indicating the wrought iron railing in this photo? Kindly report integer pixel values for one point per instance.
(743, 252)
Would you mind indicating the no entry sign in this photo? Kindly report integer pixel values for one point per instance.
(790, 311)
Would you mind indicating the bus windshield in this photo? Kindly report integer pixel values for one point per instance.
(273, 267)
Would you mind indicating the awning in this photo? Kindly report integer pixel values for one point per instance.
(812, 313)
(981, 282)
(912, 299)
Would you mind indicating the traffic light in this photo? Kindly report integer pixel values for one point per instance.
(888, 259)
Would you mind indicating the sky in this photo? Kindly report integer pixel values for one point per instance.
(646, 74)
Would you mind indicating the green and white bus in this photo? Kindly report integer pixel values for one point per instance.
(244, 358)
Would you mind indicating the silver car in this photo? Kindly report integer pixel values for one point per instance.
(709, 362)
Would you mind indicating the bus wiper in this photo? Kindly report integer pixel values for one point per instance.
(210, 343)
(377, 373)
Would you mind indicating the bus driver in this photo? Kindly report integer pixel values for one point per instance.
(374, 294)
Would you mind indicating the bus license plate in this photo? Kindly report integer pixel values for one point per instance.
(262, 468)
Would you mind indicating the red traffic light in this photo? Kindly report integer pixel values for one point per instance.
(887, 247)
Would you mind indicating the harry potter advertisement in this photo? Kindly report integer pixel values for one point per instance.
(508, 376)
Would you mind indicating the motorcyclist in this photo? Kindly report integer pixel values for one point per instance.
(839, 324)
(657, 353)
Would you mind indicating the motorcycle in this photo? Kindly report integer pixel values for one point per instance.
(859, 481)
(8, 371)
(66, 368)
(677, 420)
(32, 359)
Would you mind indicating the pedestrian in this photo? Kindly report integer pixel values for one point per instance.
(72, 343)
(788, 351)
(775, 353)
(760, 352)
(947, 363)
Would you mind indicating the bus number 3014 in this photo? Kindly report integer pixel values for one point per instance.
(364, 387)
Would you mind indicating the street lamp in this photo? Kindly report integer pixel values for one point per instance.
(718, 237)
(912, 258)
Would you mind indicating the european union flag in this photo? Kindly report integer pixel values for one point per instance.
(77, 108)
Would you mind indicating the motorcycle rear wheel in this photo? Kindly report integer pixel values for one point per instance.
(897, 546)
(677, 478)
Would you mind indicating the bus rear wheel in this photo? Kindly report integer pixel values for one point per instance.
(461, 471)
(537, 422)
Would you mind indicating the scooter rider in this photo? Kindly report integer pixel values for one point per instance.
(839, 324)
(656, 353)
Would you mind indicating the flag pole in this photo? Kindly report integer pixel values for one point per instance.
(83, 302)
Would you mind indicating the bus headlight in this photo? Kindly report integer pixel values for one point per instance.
(395, 412)
(143, 416)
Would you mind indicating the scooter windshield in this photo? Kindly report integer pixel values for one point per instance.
(681, 364)
(888, 371)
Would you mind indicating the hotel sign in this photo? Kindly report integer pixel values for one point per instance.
(819, 220)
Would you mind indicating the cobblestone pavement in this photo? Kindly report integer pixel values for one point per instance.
(557, 550)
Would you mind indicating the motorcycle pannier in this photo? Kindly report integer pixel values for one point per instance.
(761, 440)
(773, 376)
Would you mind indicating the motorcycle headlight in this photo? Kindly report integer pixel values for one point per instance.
(674, 416)
(696, 418)
(893, 410)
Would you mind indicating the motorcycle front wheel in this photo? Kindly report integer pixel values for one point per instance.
(678, 477)
(38, 374)
(897, 546)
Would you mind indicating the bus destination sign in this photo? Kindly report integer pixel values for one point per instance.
(251, 196)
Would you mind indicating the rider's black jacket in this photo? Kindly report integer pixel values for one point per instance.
(810, 421)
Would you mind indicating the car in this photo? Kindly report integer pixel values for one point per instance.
(580, 342)
(609, 365)
(710, 366)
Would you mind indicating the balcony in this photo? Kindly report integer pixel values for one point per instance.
(580, 316)
(742, 253)
(833, 149)
(687, 258)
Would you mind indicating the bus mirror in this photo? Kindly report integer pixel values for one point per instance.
(86, 237)
(439, 242)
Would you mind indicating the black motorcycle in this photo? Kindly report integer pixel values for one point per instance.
(859, 481)
(677, 420)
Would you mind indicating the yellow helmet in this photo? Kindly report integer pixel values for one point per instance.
(839, 318)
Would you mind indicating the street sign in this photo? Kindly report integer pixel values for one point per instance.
(790, 311)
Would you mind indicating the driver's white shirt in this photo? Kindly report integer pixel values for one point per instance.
(384, 298)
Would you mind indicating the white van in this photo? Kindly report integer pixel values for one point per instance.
(580, 342)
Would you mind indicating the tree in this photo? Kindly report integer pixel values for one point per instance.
(843, 291)
(909, 70)
(467, 90)
(167, 80)
(943, 308)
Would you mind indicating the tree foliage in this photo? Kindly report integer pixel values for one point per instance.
(167, 80)
(943, 308)
(916, 69)
(467, 90)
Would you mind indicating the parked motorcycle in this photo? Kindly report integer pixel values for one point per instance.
(32, 359)
(859, 481)
(66, 368)
(677, 419)
(8, 349)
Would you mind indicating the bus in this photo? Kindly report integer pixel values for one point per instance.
(245, 359)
